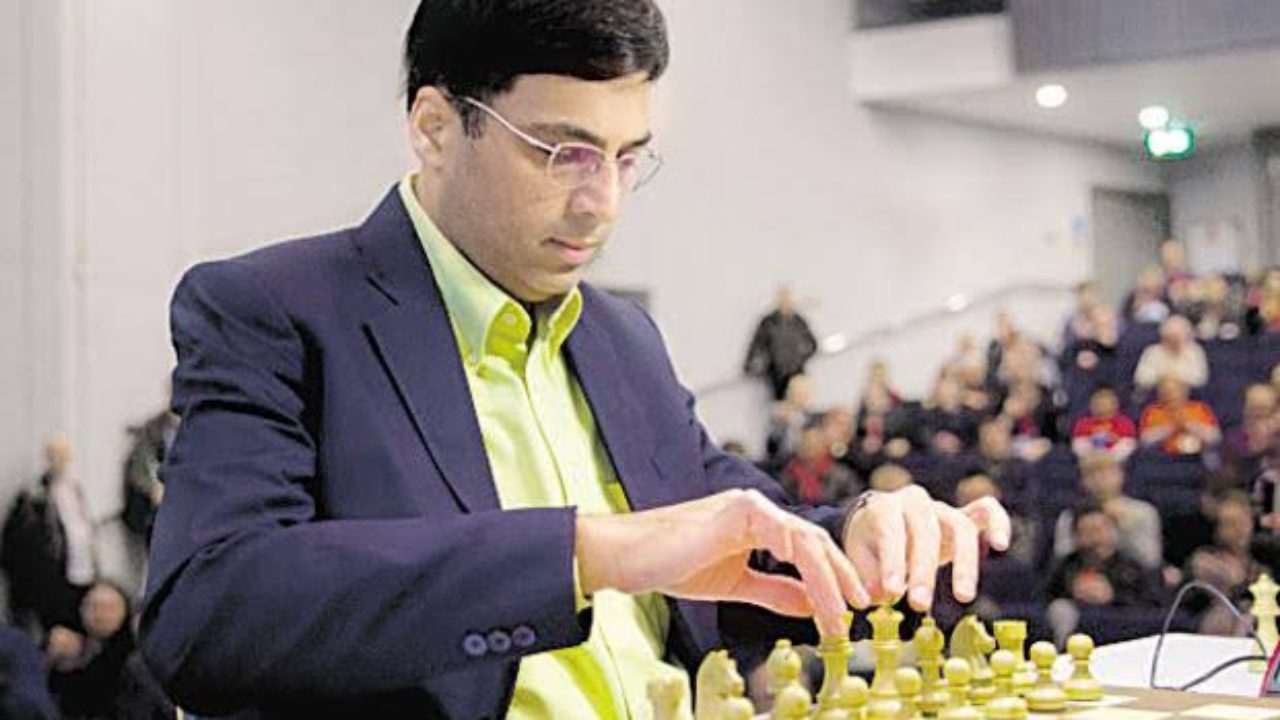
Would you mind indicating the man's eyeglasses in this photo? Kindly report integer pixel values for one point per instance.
(572, 165)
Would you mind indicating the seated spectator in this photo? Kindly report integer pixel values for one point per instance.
(948, 426)
(90, 671)
(1177, 424)
(1032, 419)
(1227, 565)
(789, 417)
(969, 368)
(1087, 351)
(882, 427)
(1216, 316)
(1137, 522)
(837, 424)
(1097, 573)
(1256, 438)
(1079, 324)
(1179, 281)
(1025, 363)
(1146, 304)
(48, 546)
(1105, 429)
(1263, 304)
(1177, 354)
(996, 461)
(890, 477)
(1005, 336)
(812, 476)
(1022, 543)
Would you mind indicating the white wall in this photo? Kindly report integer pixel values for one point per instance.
(34, 271)
(208, 127)
(1215, 199)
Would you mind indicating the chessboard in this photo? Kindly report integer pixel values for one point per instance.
(1143, 704)
(975, 675)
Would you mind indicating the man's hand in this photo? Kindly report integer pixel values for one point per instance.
(900, 539)
(700, 550)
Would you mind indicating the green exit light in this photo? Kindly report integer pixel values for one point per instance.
(1173, 142)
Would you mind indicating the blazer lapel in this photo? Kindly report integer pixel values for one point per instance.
(416, 345)
(595, 362)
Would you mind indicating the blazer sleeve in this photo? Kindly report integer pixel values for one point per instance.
(255, 597)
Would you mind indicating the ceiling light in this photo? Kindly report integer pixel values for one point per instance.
(1050, 97)
(1154, 117)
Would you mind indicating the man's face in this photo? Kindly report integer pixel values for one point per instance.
(1104, 405)
(495, 201)
(1105, 483)
(1096, 535)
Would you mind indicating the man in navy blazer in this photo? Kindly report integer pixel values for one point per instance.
(331, 541)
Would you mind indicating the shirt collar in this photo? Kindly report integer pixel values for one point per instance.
(485, 318)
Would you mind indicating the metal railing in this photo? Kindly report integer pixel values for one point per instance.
(840, 344)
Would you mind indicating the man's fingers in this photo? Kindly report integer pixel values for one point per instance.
(782, 595)
(847, 575)
(924, 545)
(960, 535)
(890, 543)
(819, 579)
(992, 520)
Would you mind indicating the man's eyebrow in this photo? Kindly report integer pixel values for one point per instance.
(567, 131)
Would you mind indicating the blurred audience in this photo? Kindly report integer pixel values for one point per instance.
(1097, 573)
(1228, 564)
(813, 476)
(790, 416)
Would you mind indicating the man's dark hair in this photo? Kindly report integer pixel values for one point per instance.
(1086, 508)
(477, 48)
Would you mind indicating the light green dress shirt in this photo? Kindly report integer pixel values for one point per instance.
(544, 451)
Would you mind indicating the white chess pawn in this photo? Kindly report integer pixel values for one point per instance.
(958, 674)
(1081, 686)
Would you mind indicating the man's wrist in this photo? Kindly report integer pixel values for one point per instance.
(854, 507)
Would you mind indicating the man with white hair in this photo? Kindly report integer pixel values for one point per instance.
(1177, 355)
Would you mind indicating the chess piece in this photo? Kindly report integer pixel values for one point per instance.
(887, 646)
(1046, 696)
(909, 684)
(854, 694)
(719, 688)
(783, 666)
(1012, 636)
(958, 675)
(666, 695)
(1081, 686)
(835, 652)
(1264, 611)
(737, 708)
(929, 642)
(971, 641)
(1006, 705)
(791, 703)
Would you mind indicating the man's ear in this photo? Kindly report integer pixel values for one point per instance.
(434, 126)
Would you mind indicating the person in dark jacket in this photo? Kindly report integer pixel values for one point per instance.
(48, 547)
(781, 345)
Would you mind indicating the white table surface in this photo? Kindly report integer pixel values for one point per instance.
(1183, 658)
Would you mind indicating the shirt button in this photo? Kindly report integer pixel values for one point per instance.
(524, 636)
(509, 319)
(499, 642)
(474, 645)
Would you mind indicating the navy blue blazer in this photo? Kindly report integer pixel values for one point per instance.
(331, 541)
